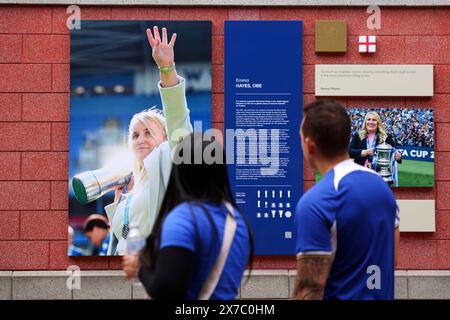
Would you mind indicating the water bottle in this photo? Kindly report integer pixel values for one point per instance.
(135, 242)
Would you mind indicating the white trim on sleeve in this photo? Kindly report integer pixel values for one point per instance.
(314, 253)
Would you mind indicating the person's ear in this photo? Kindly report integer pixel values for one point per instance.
(310, 146)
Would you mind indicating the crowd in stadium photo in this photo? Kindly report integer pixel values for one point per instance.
(410, 127)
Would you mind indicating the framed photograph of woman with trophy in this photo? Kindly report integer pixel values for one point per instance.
(397, 143)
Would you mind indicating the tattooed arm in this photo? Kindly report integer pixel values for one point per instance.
(312, 274)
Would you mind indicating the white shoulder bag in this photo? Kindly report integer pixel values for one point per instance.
(213, 278)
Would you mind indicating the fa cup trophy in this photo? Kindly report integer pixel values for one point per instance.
(91, 185)
(384, 151)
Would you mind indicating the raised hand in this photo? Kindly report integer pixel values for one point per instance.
(162, 52)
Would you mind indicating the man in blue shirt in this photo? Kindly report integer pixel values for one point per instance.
(96, 229)
(73, 251)
(347, 224)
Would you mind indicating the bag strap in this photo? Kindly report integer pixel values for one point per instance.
(213, 278)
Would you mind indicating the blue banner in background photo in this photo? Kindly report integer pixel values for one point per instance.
(263, 109)
(417, 153)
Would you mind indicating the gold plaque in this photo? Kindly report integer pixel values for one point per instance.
(331, 36)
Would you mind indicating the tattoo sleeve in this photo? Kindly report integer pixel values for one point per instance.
(312, 274)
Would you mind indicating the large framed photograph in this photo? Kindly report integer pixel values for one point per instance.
(397, 143)
(114, 90)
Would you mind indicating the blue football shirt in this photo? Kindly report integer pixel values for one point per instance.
(187, 226)
(350, 215)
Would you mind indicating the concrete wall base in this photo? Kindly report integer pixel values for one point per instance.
(263, 284)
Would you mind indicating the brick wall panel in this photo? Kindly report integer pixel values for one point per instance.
(414, 193)
(60, 77)
(9, 225)
(442, 195)
(217, 50)
(413, 21)
(60, 136)
(217, 79)
(308, 79)
(441, 21)
(376, 102)
(442, 226)
(243, 14)
(217, 108)
(45, 107)
(140, 13)
(418, 257)
(43, 225)
(10, 166)
(59, 195)
(441, 166)
(45, 165)
(440, 46)
(442, 142)
(441, 79)
(10, 107)
(24, 195)
(421, 49)
(307, 15)
(24, 255)
(46, 48)
(11, 48)
(17, 136)
(25, 78)
(25, 19)
(308, 172)
(443, 254)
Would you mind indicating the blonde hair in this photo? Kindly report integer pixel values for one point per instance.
(381, 130)
(152, 115)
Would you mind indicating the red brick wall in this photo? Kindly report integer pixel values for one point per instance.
(34, 115)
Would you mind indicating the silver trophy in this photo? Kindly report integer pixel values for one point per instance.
(384, 151)
(91, 185)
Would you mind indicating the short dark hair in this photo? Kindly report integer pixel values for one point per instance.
(328, 124)
(95, 220)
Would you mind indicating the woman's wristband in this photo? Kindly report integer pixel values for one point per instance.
(167, 69)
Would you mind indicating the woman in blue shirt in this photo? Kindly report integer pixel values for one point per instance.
(187, 235)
